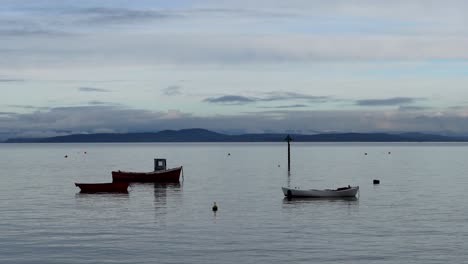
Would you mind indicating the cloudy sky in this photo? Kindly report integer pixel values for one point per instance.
(232, 66)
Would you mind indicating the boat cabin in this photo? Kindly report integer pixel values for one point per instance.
(159, 164)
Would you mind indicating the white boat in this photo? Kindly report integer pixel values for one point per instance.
(350, 191)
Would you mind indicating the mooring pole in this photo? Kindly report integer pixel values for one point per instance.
(288, 139)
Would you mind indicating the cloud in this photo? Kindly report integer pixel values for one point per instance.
(30, 107)
(230, 99)
(91, 89)
(26, 32)
(7, 113)
(163, 48)
(199, 41)
(281, 96)
(205, 33)
(172, 90)
(267, 97)
(417, 108)
(122, 15)
(89, 119)
(96, 102)
(284, 106)
(11, 80)
(61, 20)
(27, 25)
(386, 102)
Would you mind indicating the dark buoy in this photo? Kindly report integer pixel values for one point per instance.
(66, 156)
(85, 152)
(215, 207)
(365, 153)
(389, 152)
(376, 181)
(229, 154)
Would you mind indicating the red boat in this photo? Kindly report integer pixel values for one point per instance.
(169, 175)
(160, 174)
(103, 187)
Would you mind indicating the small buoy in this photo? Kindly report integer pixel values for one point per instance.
(365, 153)
(215, 207)
(376, 181)
(229, 154)
(85, 152)
(66, 156)
(279, 166)
(389, 152)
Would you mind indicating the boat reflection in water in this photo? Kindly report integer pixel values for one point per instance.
(166, 195)
(162, 193)
(331, 207)
(111, 187)
(293, 200)
(162, 190)
(116, 199)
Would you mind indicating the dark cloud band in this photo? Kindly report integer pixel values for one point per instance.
(230, 99)
(386, 102)
(91, 89)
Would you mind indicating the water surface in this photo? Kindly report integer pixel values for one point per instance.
(418, 214)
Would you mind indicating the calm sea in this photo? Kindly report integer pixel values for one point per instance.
(418, 214)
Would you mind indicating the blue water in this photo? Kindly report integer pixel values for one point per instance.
(418, 214)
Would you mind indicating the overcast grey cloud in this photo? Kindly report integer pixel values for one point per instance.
(230, 99)
(122, 15)
(386, 101)
(10, 80)
(185, 43)
(7, 113)
(97, 102)
(29, 107)
(91, 89)
(413, 108)
(242, 58)
(30, 32)
(281, 96)
(284, 106)
(24, 26)
(91, 119)
(60, 20)
(267, 97)
(172, 90)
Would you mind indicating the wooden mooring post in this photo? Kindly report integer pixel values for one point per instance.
(289, 139)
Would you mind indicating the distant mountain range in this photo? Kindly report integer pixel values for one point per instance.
(203, 135)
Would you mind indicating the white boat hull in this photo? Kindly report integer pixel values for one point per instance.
(326, 193)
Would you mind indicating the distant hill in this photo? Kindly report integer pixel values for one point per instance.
(203, 135)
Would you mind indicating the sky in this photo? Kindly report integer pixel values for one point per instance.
(240, 66)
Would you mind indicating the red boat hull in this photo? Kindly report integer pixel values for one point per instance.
(103, 187)
(170, 175)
